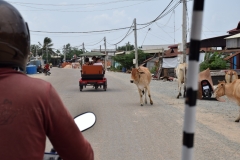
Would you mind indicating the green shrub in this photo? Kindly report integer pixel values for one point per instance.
(153, 69)
(213, 61)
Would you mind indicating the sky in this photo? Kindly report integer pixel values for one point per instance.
(66, 16)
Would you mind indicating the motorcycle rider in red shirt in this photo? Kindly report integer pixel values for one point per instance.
(30, 112)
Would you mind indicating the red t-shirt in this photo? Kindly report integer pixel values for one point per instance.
(30, 110)
(46, 66)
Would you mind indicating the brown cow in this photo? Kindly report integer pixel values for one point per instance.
(230, 76)
(141, 76)
(231, 90)
(181, 78)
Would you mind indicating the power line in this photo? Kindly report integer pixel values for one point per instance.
(157, 16)
(83, 32)
(95, 43)
(127, 34)
(78, 4)
(66, 9)
(161, 16)
(146, 35)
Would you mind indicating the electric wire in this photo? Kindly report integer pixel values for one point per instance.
(147, 24)
(158, 16)
(95, 43)
(146, 35)
(161, 16)
(84, 32)
(127, 34)
(66, 10)
(77, 4)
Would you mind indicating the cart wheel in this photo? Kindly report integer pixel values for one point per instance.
(80, 88)
(209, 95)
(105, 87)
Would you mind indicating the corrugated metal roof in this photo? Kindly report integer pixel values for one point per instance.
(234, 36)
(155, 47)
(153, 51)
(103, 50)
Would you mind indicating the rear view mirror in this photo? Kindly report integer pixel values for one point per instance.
(85, 121)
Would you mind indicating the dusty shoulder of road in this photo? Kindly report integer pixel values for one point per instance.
(216, 116)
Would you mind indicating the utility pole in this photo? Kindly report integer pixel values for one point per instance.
(83, 47)
(136, 49)
(114, 55)
(105, 53)
(100, 49)
(47, 53)
(36, 51)
(65, 50)
(184, 31)
(174, 25)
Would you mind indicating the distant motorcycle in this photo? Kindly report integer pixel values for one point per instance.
(46, 72)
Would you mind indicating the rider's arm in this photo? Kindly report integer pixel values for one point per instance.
(63, 132)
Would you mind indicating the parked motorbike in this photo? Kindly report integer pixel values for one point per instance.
(60, 65)
(207, 90)
(84, 122)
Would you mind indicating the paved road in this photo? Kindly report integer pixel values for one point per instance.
(126, 131)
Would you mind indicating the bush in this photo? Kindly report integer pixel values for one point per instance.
(153, 69)
(213, 61)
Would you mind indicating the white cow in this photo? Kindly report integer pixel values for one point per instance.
(141, 76)
(181, 78)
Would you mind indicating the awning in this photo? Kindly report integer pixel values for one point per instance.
(117, 53)
(234, 36)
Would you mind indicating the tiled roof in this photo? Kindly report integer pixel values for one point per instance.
(235, 29)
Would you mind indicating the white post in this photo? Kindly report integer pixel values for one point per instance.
(192, 82)
(105, 53)
(184, 30)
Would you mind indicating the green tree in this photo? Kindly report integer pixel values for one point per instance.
(46, 49)
(34, 48)
(71, 51)
(126, 60)
(213, 61)
(127, 47)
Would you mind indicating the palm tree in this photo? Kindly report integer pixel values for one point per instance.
(47, 42)
(46, 47)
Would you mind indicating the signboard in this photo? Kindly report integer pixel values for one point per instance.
(134, 61)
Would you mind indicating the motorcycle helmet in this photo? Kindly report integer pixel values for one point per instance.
(14, 37)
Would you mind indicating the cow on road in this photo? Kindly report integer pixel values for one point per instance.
(231, 90)
(141, 76)
(181, 78)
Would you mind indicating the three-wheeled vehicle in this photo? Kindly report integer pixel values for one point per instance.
(92, 74)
